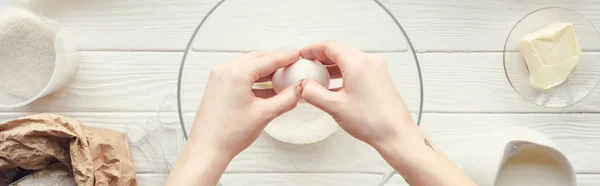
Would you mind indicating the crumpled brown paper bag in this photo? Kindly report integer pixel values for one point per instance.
(96, 156)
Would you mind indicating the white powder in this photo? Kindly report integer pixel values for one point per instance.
(27, 53)
(304, 124)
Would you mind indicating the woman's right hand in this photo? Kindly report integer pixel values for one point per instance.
(368, 105)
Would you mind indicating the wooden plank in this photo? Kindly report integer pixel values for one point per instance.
(298, 23)
(125, 24)
(467, 25)
(318, 179)
(476, 82)
(453, 82)
(575, 134)
(147, 81)
(146, 179)
(160, 25)
(434, 25)
(582, 180)
(315, 179)
(396, 180)
(588, 179)
(116, 81)
(151, 179)
(324, 179)
(292, 179)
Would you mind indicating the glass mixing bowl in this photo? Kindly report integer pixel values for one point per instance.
(234, 27)
(582, 80)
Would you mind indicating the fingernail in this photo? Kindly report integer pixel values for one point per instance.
(303, 82)
(299, 88)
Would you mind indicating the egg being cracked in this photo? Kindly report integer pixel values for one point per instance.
(305, 124)
(300, 70)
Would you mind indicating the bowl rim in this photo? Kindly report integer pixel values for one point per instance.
(386, 176)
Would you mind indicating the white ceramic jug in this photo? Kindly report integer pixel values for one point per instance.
(517, 156)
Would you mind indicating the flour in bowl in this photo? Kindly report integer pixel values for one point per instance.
(27, 53)
(305, 124)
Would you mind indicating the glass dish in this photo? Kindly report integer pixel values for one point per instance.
(66, 60)
(582, 80)
(234, 27)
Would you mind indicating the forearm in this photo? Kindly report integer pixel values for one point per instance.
(420, 162)
(198, 166)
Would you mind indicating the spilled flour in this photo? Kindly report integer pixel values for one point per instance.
(27, 53)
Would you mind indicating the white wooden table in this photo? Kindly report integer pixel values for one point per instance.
(131, 52)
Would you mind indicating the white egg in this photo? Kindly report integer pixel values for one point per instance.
(300, 70)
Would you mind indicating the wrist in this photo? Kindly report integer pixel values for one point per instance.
(398, 144)
(198, 166)
(204, 139)
(397, 132)
(400, 140)
(205, 146)
(405, 153)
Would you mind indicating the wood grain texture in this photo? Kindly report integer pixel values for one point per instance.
(317, 179)
(144, 179)
(293, 179)
(582, 180)
(125, 24)
(434, 25)
(147, 81)
(297, 23)
(116, 81)
(575, 134)
(466, 94)
(588, 179)
(340, 153)
(466, 25)
(167, 26)
(396, 180)
(476, 82)
(277, 179)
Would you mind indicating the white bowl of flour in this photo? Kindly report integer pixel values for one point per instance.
(36, 57)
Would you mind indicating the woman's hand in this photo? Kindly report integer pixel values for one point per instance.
(368, 106)
(232, 116)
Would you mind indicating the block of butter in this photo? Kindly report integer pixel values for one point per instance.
(551, 54)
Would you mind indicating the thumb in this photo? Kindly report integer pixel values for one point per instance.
(321, 97)
(284, 101)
